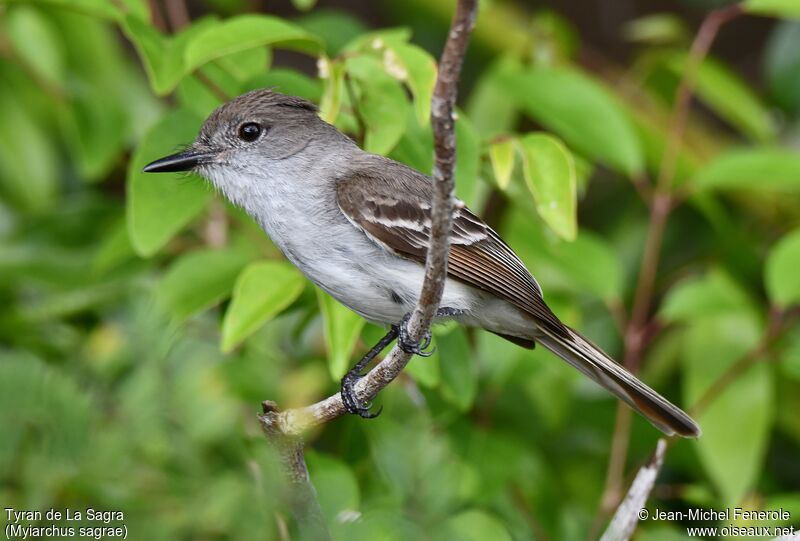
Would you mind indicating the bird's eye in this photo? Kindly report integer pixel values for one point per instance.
(249, 131)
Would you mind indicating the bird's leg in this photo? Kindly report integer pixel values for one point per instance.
(418, 347)
(405, 343)
(415, 347)
(354, 374)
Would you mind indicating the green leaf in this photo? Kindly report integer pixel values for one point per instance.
(42, 411)
(195, 96)
(729, 96)
(468, 160)
(200, 279)
(489, 107)
(37, 42)
(342, 329)
(789, 9)
(289, 82)
(550, 176)
(698, 297)
(95, 134)
(653, 134)
(426, 370)
(417, 68)
(783, 271)
(564, 264)
(335, 483)
(756, 168)
(114, 250)
(782, 66)
(790, 357)
(335, 28)
(332, 74)
(95, 8)
(244, 32)
(382, 104)
(161, 204)
(29, 160)
(712, 346)
(657, 29)
(580, 110)
(140, 8)
(163, 56)
(304, 5)
(472, 525)
(459, 373)
(415, 149)
(501, 154)
(246, 64)
(378, 40)
(262, 291)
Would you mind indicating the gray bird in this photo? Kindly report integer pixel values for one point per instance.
(357, 225)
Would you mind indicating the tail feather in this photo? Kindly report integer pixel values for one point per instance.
(592, 361)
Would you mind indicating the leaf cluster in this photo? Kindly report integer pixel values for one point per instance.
(142, 320)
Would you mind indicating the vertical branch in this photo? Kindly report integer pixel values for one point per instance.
(177, 14)
(444, 140)
(302, 495)
(661, 205)
(351, 94)
(296, 421)
(285, 428)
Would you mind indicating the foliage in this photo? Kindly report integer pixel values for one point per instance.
(142, 321)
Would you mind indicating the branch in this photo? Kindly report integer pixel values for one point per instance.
(630, 511)
(776, 324)
(661, 204)
(302, 495)
(177, 14)
(295, 422)
(285, 428)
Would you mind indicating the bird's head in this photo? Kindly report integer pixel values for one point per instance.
(242, 140)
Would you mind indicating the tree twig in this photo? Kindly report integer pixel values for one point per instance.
(287, 427)
(629, 512)
(661, 202)
(351, 94)
(177, 14)
(661, 205)
(296, 421)
(302, 495)
(211, 85)
(775, 325)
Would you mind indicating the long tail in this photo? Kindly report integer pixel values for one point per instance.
(592, 361)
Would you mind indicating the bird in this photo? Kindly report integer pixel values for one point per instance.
(358, 224)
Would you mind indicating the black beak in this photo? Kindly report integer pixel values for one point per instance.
(182, 161)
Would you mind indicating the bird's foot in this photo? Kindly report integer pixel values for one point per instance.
(351, 403)
(407, 344)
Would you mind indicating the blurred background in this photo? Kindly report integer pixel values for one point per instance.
(143, 320)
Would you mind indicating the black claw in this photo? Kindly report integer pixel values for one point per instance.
(415, 347)
(349, 398)
(349, 380)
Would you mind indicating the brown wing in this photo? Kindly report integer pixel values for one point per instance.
(392, 206)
